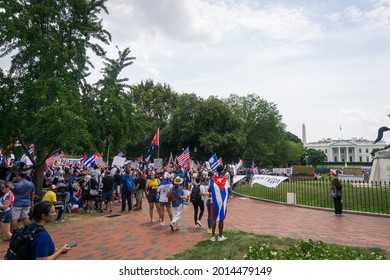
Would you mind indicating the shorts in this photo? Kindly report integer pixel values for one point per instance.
(138, 194)
(166, 204)
(6, 217)
(20, 213)
(152, 197)
(107, 196)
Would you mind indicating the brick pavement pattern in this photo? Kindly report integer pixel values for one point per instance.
(131, 236)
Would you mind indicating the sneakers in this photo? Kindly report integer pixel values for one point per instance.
(197, 226)
(199, 223)
(221, 238)
(59, 221)
(162, 224)
(209, 230)
(212, 238)
(171, 225)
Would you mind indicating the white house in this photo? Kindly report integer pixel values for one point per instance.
(354, 150)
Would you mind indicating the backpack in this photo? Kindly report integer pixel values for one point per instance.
(171, 195)
(20, 242)
(129, 184)
(195, 194)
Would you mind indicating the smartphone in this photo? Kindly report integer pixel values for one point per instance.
(72, 244)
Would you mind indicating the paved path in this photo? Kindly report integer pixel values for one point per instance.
(132, 236)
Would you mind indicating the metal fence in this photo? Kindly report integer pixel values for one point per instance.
(359, 196)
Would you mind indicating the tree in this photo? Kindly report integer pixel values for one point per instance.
(47, 42)
(314, 157)
(263, 129)
(153, 106)
(108, 106)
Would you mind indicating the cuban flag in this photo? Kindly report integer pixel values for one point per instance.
(155, 143)
(2, 158)
(213, 161)
(91, 159)
(82, 159)
(31, 149)
(120, 154)
(219, 194)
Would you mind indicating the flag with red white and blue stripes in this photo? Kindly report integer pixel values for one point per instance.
(219, 186)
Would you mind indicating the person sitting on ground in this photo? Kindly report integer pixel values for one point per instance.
(42, 246)
(51, 196)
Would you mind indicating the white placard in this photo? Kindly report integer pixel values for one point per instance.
(118, 161)
(100, 162)
(158, 163)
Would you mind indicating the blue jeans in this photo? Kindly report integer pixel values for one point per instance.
(126, 196)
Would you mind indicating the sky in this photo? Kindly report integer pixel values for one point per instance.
(324, 63)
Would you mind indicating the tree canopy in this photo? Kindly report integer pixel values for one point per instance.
(45, 98)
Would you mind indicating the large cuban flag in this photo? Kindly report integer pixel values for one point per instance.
(219, 194)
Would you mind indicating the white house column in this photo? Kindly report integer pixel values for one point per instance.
(331, 154)
(339, 155)
(347, 158)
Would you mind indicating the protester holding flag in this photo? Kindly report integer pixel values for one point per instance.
(219, 188)
(151, 189)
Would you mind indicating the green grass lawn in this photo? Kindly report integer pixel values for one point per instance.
(356, 197)
(249, 246)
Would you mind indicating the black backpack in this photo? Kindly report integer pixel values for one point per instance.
(20, 242)
(195, 194)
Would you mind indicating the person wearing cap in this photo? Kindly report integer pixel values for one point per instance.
(163, 188)
(177, 205)
(219, 189)
(51, 196)
(6, 202)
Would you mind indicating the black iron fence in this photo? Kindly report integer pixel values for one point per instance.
(359, 196)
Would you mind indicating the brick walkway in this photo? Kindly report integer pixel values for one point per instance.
(132, 236)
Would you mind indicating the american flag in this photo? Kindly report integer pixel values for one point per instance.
(54, 158)
(184, 157)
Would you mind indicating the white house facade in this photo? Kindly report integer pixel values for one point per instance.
(354, 150)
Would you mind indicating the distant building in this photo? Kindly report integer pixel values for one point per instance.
(354, 150)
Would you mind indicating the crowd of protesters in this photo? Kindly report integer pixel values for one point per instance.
(74, 188)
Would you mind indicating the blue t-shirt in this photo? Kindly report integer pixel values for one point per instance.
(22, 192)
(42, 245)
(178, 193)
(123, 182)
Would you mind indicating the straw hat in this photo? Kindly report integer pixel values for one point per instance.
(178, 180)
